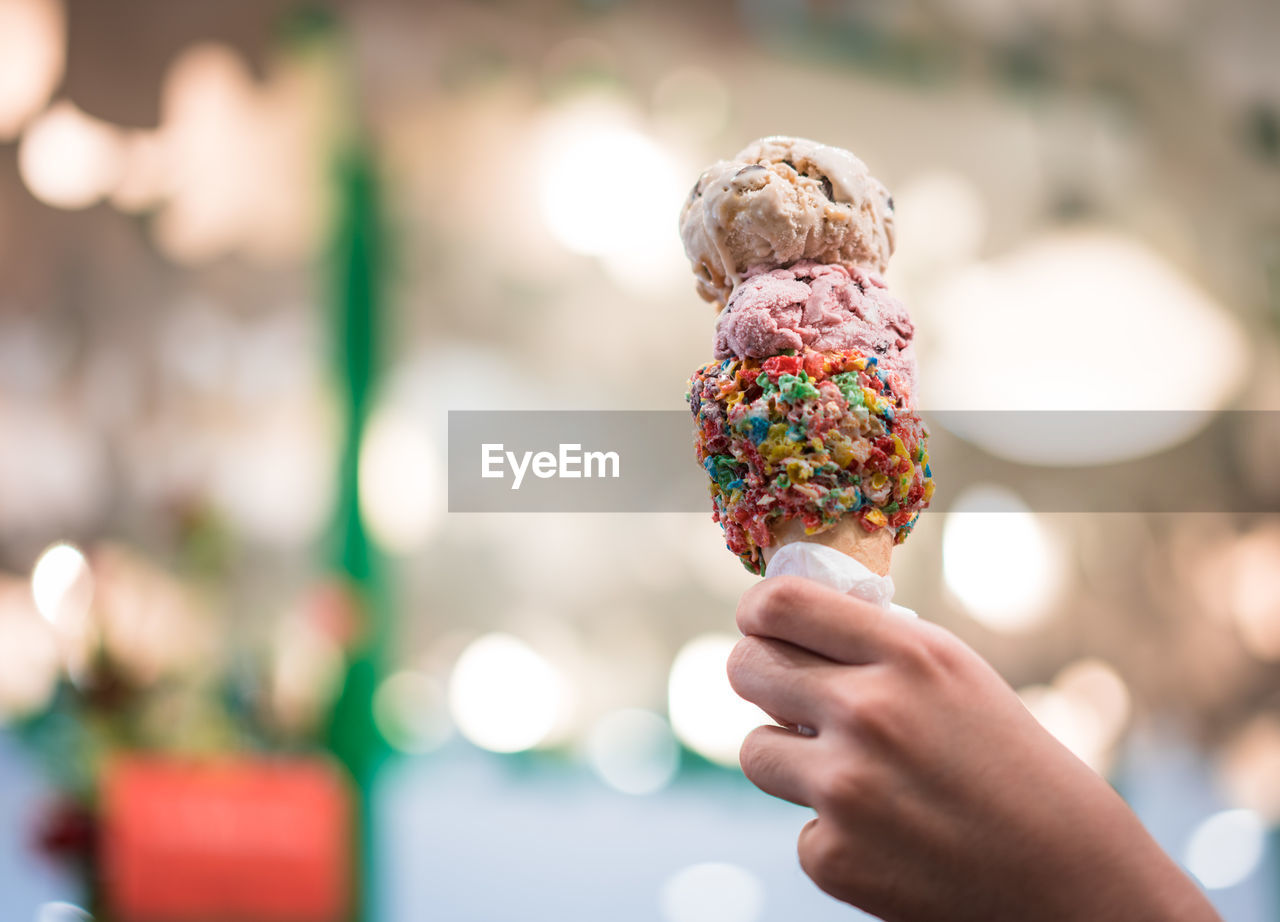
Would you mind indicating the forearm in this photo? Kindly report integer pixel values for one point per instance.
(1132, 879)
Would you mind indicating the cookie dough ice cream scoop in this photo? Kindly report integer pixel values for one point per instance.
(778, 201)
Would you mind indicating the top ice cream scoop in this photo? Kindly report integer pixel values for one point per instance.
(781, 200)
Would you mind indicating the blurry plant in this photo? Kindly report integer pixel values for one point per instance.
(154, 666)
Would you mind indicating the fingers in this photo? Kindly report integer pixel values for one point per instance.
(826, 622)
(773, 759)
(783, 680)
(822, 858)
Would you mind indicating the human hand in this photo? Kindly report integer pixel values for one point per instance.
(938, 795)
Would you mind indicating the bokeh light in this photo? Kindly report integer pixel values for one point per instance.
(274, 472)
(206, 111)
(1085, 708)
(1085, 320)
(61, 912)
(706, 713)
(411, 712)
(940, 219)
(691, 104)
(61, 584)
(1226, 848)
(401, 487)
(234, 160)
(1250, 766)
(999, 560)
(713, 891)
(150, 622)
(54, 472)
(608, 189)
(69, 159)
(504, 696)
(633, 751)
(32, 57)
(1253, 591)
(144, 172)
(30, 662)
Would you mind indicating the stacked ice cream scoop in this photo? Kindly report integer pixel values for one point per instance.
(806, 422)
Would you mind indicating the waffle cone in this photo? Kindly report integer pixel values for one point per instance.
(873, 549)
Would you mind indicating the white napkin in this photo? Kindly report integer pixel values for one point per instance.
(829, 567)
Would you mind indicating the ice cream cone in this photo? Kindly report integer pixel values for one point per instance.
(808, 409)
(872, 549)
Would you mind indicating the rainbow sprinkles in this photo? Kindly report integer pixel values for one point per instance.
(812, 436)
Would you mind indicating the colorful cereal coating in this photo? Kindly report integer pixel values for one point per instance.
(814, 436)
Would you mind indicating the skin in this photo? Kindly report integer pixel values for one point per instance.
(938, 795)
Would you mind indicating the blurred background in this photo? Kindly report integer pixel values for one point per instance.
(251, 253)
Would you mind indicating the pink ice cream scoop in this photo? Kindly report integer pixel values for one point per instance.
(826, 308)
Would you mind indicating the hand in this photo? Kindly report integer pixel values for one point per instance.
(938, 795)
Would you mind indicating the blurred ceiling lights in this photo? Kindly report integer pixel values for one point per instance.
(1252, 578)
(30, 663)
(633, 751)
(149, 622)
(707, 714)
(940, 220)
(53, 469)
(714, 891)
(504, 696)
(690, 104)
(608, 189)
(1086, 320)
(32, 58)
(233, 166)
(69, 159)
(1226, 848)
(242, 171)
(998, 559)
(1250, 767)
(61, 584)
(60, 911)
(273, 470)
(401, 486)
(409, 710)
(63, 590)
(1086, 707)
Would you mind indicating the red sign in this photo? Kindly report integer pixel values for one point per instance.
(243, 840)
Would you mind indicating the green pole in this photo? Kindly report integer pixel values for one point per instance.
(356, 298)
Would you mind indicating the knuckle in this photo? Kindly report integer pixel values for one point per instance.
(820, 856)
(839, 788)
(773, 603)
(880, 723)
(742, 658)
(846, 700)
(870, 712)
(935, 650)
(753, 755)
(920, 649)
